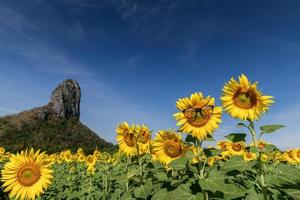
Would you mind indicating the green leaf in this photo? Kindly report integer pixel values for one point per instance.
(183, 192)
(270, 148)
(143, 191)
(189, 155)
(253, 149)
(161, 194)
(133, 172)
(209, 138)
(161, 176)
(295, 193)
(190, 138)
(179, 163)
(241, 125)
(284, 176)
(126, 196)
(213, 182)
(212, 152)
(270, 128)
(236, 163)
(252, 195)
(231, 191)
(236, 137)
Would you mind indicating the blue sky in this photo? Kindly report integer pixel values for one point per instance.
(134, 59)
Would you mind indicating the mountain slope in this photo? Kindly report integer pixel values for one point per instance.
(53, 127)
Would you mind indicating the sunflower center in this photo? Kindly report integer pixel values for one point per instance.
(248, 155)
(144, 138)
(245, 99)
(173, 148)
(261, 145)
(129, 139)
(237, 147)
(298, 153)
(29, 174)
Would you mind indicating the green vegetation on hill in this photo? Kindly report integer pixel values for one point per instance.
(53, 134)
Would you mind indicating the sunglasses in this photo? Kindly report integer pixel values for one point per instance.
(205, 112)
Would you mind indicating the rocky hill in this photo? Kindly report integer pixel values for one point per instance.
(53, 127)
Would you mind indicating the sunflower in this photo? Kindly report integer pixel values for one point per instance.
(2, 150)
(236, 148)
(90, 160)
(26, 175)
(91, 169)
(167, 146)
(223, 145)
(198, 115)
(243, 100)
(296, 155)
(127, 139)
(81, 158)
(143, 138)
(80, 151)
(289, 156)
(248, 156)
(264, 157)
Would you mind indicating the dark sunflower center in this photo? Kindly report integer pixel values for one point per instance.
(261, 145)
(144, 138)
(129, 139)
(248, 155)
(298, 153)
(173, 148)
(237, 147)
(223, 145)
(29, 174)
(245, 99)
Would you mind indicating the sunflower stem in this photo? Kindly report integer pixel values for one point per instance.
(261, 170)
(140, 165)
(202, 170)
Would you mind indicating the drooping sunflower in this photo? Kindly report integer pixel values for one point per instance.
(167, 146)
(198, 115)
(143, 138)
(26, 175)
(243, 100)
(127, 140)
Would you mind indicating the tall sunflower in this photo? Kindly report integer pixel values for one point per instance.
(243, 100)
(127, 140)
(198, 115)
(167, 146)
(26, 175)
(143, 138)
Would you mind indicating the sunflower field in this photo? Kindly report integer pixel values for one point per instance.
(172, 164)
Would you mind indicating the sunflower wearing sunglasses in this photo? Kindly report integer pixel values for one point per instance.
(198, 115)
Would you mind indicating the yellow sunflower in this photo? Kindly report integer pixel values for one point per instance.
(26, 175)
(198, 115)
(264, 157)
(222, 145)
(296, 155)
(143, 138)
(236, 148)
(248, 156)
(2, 150)
(167, 146)
(127, 139)
(243, 100)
